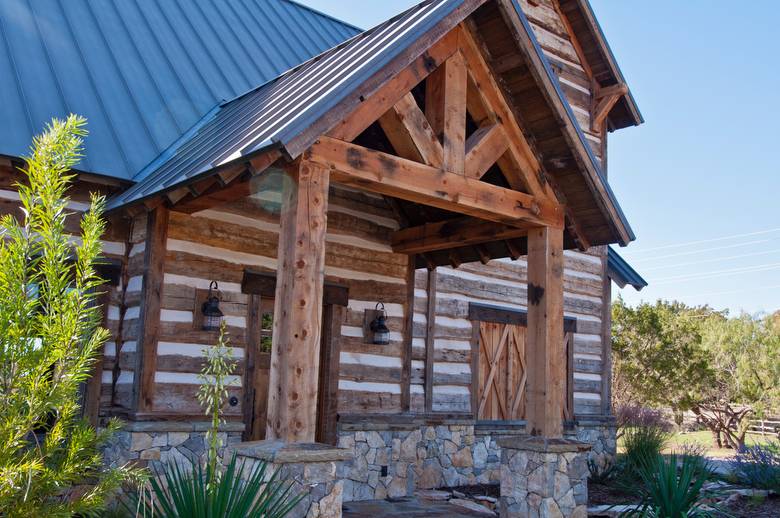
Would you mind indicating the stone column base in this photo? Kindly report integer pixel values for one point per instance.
(543, 478)
(315, 469)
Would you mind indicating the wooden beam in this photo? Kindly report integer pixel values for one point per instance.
(151, 295)
(445, 108)
(452, 233)
(488, 93)
(544, 352)
(410, 134)
(430, 330)
(295, 355)
(387, 174)
(373, 106)
(255, 378)
(483, 148)
(94, 386)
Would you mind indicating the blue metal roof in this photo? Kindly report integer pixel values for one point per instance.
(143, 72)
(621, 272)
(278, 111)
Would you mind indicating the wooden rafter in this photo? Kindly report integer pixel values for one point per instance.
(383, 173)
(606, 98)
(410, 134)
(443, 235)
(483, 148)
(486, 102)
(445, 107)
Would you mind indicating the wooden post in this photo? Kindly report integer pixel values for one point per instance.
(151, 297)
(545, 355)
(295, 356)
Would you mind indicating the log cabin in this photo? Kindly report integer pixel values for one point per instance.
(445, 170)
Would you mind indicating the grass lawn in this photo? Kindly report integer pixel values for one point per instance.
(705, 438)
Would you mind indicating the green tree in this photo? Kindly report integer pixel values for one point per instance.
(658, 358)
(50, 459)
(744, 357)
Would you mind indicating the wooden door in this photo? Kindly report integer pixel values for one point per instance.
(502, 372)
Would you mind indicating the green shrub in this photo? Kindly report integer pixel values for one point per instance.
(671, 487)
(50, 458)
(642, 445)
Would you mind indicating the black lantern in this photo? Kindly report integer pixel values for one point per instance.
(379, 327)
(212, 315)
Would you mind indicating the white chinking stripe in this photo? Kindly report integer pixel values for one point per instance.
(587, 376)
(446, 343)
(367, 386)
(135, 284)
(187, 378)
(589, 396)
(453, 390)
(192, 350)
(372, 360)
(451, 368)
(357, 332)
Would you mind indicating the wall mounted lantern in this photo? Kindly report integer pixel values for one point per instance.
(212, 315)
(379, 326)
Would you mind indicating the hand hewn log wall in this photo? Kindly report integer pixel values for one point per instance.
(503, 283)
(558, 46)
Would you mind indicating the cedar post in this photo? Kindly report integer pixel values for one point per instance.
(545, 355)
(295, 356)
(151, 297)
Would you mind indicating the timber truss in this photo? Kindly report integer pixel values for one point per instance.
(435, 163)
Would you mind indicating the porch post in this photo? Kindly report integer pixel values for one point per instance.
(545, 353)
(295, 356)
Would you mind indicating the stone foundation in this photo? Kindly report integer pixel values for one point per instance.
(543, 478)
(153, 443)
(315, 469)
(599, 432)
(396, 458)
(395, 462)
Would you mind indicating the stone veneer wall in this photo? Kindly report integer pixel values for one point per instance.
(151, 443)
(395, 459)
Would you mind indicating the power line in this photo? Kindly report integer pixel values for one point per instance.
(715, 260)
(731, 292)
(700, 241)
(693, 252)
(724, 273)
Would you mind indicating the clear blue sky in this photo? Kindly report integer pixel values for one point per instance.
(700, 180)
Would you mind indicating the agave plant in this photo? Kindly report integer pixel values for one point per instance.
(181, 491)
(671, 487)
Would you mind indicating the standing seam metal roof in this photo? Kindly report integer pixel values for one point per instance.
(143, 72)
(276, 112)
(621, 272)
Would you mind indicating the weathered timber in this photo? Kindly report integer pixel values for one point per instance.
(429, 339)
(410, 134)
(295, 356)
(483, 148)
(452, 233)
(545, 356)
(387, 174)
(445, 108)
(149, 330)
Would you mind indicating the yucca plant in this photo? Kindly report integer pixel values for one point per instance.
(671, 487)
(50, 335)
(204, 490)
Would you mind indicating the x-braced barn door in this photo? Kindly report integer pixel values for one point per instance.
(499, 347)
(502, 372)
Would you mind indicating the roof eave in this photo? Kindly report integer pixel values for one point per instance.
(602, 192)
